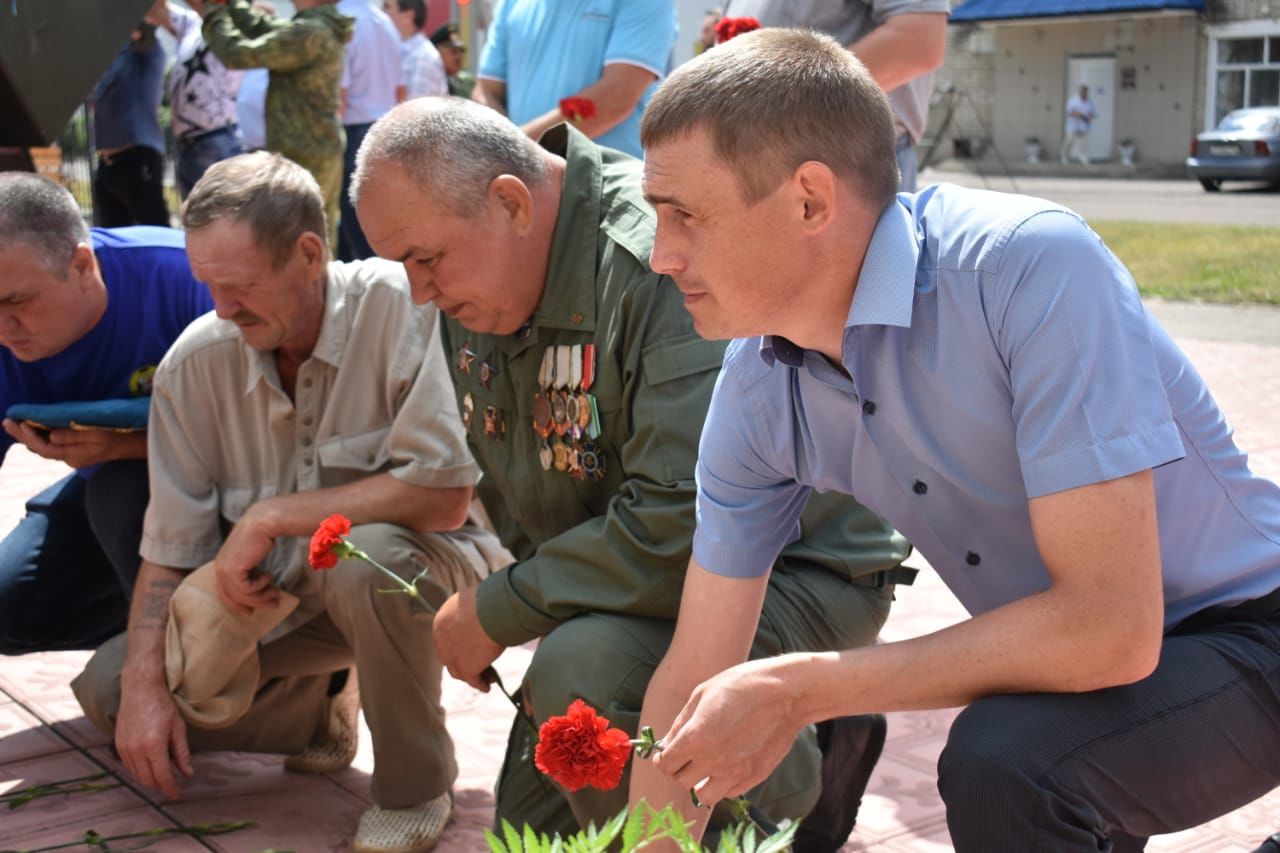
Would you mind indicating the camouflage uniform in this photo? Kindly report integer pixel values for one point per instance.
(304, 56)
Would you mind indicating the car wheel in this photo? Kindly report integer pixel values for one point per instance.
(1211, 185)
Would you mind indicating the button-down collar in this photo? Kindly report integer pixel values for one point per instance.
(886, 285)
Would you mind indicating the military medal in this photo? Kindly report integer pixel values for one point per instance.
(465, 357)
(468, 409)
(560, 453)
(588, 411)
(541, 402)
(591, 458)
(560, 397)
(495, 425)
(542, 420)
(573, 403)
(488, 370)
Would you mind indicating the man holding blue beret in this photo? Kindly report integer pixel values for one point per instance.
(85, 315)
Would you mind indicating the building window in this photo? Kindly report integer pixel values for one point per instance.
(1245, 73)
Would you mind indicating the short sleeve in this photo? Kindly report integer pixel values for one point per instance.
(748, 507)
(643, 34)
(493, 61)
(181, 529)
(1089, 403)
(884, 9)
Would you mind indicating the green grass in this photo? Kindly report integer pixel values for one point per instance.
(1210, 263)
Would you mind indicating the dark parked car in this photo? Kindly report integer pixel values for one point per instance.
(1245, 146)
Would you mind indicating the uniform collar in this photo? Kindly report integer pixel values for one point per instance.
(569, 297)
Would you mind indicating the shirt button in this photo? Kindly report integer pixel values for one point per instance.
(307, 460)
(972, 559)
(868, 408)
(919, 487)
(306, 441)
(306, 383)
(306, 421)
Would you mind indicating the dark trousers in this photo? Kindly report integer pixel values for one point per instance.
(1102, 771)
(128, 189)
(352, 246)
(198, 153)
(67, 569)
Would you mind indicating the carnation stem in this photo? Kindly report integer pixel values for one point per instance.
(409, 588)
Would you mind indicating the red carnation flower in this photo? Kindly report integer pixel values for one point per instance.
(727, 28)
(577, 109)
(327, 540)
(580, 749)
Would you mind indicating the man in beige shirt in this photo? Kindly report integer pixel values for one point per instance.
(318, 388)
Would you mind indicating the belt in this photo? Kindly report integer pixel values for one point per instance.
(1260, 608)
(1266, 607)
(897, 576)
(192, 138)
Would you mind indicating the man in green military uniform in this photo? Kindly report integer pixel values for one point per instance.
(584, 386)
(304, 56)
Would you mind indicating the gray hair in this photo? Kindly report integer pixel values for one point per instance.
(42, 214)
(773, 99)
(452, 148)
(277, 198)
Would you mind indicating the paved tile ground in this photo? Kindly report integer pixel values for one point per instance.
(44, 738)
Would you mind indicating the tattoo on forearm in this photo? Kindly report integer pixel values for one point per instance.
(155, 604)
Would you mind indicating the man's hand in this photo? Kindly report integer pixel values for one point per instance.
(464, 647)
(78, 448)
(734, 730)
(151, 737)
(241, 586)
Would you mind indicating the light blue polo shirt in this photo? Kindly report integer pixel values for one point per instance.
(545, 50)
(998, 352)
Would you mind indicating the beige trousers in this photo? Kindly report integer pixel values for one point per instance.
(239, 694)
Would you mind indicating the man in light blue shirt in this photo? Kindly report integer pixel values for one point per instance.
(372, 83)
(977, 368)
(610, 52)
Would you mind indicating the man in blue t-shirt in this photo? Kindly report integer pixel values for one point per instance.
(979, 369)
(610, 53)
(84, 316)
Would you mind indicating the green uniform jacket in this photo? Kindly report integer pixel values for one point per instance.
(304, 56)
(620, 543)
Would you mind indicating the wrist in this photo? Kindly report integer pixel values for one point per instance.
(262, 518)
(143, 675)
(799, 680)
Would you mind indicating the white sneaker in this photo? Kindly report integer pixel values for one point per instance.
(414, 830)
(334, 746)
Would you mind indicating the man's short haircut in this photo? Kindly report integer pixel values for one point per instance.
(453, 149)
(278, 199)
(41, 214)
(773, 99)
(419, 9)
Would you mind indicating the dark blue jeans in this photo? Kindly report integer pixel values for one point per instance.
(352, 246)
(67, 569)
(1103, 771)
(197, 154)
